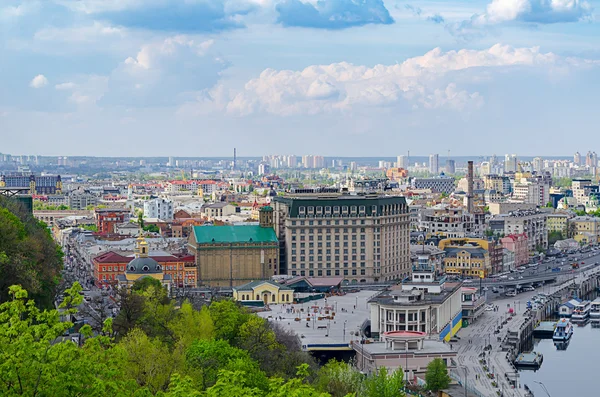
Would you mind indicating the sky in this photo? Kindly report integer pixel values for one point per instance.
(322, 77)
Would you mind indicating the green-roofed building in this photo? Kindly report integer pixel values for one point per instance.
(229, 256)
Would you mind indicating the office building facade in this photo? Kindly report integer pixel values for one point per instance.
(363, 238)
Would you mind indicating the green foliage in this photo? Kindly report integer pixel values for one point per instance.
(28, 255)
(227, 318)
(166, 351)
(562, 182)
(151, 229)
(339, 379)
(144, 283)
(384, 384)
(436, 376)
(580, 212)
(92, 228)
(554, 236)
(211, 356)
(549, 204)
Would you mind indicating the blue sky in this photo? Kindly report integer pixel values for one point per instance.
(331, 77)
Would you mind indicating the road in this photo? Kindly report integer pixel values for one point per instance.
(479, 334)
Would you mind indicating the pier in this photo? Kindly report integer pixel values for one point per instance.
(489, 347)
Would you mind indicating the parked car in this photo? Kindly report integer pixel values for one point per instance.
(511, 293)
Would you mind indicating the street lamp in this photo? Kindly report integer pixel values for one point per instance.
(345, 321)
(543, 388)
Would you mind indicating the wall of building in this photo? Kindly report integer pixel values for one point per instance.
(230, 265)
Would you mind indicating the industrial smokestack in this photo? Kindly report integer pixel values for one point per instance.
(470, 187)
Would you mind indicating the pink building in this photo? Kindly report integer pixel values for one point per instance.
(517, 243)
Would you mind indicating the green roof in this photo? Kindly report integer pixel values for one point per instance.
(234, 234)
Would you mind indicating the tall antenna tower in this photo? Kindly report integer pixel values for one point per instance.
(234, 160)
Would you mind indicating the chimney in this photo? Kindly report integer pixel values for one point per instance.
(470, 187)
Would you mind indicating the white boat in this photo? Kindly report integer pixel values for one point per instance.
(563, 330)
(581, 311)
(595, 308)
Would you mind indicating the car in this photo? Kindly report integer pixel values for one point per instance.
(511, 293)
(468, 281)
(511, 278)
(485, 289)
(494, 290)
(520, 277)
(489, 309)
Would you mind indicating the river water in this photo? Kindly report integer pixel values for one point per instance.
(572, 372)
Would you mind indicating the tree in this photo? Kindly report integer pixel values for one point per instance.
(554, 236)
(28, 255)
(549, 204)
(338, 379)
(149, 361)
(228, 318)
(382, 384)
(208, 357)
(436, 376)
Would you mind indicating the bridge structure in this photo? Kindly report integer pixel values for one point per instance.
(13, 191)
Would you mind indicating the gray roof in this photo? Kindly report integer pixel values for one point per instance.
(253, 284)
(475, 252)
(143, 265)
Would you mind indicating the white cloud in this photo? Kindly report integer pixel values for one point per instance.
(38, 81)
(423, 81)
(83, 33)
(65, 86)
(524, 11)
(537, 11)
(164, 70)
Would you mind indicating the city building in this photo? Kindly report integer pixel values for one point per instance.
(466, 257)
(530, 222)
(143, 266)
(577, 158)
(440, 184)
(517, 244)
(532, 190)
(37, 184)
(107, 219)
(263, 290)
(510, 163)
(428, 304)
(80, 199)
(436, 256)
(504, 207)
(434, 164)
(582, 225)
(473, 304)
(229, 256)
(108, 266)
(159, 208)
(558, 222)
(212, 211)
(499, 183)
(363, 238)
(402, 162)
(445, 221)
(450, 166)
(410, 351)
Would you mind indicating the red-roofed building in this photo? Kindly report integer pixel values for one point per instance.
(182, 269)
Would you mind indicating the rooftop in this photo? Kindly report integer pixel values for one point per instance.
(234, 234)
(387, 297)
(253, 284)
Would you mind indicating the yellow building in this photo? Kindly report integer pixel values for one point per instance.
(466, 257)
(585, 225)
(143, 266)
(266, 291)
(557, 223)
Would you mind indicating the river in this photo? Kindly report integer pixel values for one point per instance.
(572, 372)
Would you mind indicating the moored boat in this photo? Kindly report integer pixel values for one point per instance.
(581, 311)
(595, 308)
(563, 330)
